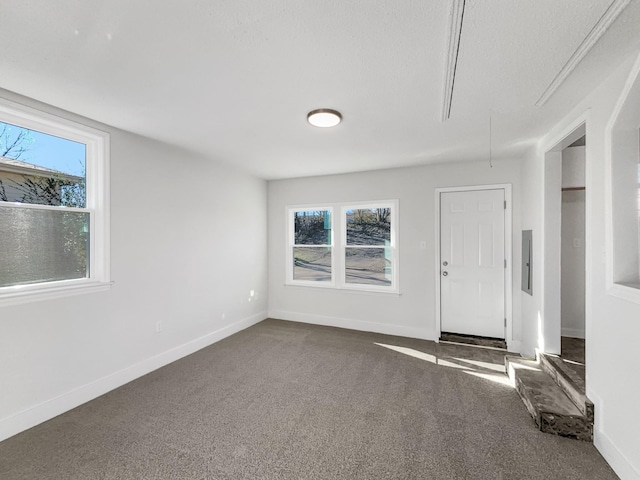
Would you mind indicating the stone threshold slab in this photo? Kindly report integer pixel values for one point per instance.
(552, 410)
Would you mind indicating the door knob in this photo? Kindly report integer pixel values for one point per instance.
(445, 263)
(444, 274)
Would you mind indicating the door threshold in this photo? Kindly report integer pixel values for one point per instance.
(487, 342)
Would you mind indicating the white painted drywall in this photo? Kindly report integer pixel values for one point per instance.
(612, 324)
(413, 313)
(573, 170)
(188, 245)
(573, 244)
(552, 236)
(532, 215)
(573, 264)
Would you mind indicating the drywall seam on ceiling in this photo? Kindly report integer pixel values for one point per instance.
(601, 26)
(455, 31)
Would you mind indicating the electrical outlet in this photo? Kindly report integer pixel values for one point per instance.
(158, 326)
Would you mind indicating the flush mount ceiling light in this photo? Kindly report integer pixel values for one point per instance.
(324, 117)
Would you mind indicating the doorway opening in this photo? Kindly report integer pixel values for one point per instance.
(572, 245)
(565, 246)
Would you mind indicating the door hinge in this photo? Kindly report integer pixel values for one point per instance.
(505, 204)
(505, 263)
(505, 323)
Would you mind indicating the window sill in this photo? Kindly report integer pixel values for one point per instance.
(30, 293)
(628, 292)
(347, 290)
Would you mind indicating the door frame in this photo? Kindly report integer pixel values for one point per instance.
(508, 251)
(550, 327)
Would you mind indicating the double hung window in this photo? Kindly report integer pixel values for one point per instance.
(312, 245)
(368, 252)
(345, 246)
(53, 205)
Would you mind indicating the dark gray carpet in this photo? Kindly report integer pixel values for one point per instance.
(282, 400)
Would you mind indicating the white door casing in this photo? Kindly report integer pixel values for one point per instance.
(473, 262)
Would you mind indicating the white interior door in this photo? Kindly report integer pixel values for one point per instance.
(472, 262)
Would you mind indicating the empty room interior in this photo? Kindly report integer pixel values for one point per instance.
(331, 239)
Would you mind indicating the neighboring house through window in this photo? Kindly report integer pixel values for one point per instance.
(28, 183)
(54, 206)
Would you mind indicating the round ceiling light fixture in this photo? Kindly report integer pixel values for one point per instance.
(324, 117)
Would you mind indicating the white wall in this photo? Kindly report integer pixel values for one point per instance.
(573, 264)
(188, 244)
(413, 312)
(573, 247)
(612, 324)
(573, 167)
(532, 207)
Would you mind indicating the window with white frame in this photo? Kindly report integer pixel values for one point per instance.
(311, 245)
(368, 253)
(625, 202)
(53, 205)
(357, 252)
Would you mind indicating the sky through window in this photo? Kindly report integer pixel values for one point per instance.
(43, 150)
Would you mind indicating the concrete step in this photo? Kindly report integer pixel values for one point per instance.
(553, 411)
(497, 343)
(571, 378)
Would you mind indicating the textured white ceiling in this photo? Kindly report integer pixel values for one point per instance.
(234, 79)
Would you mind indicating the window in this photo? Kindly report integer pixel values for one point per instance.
(358, 252)
(622, 157)
(625, 173)
(368, 253)
(312, 245)
(53, 205)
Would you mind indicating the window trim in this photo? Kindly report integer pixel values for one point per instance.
(97, 203)
(619, 122)
(339, 246)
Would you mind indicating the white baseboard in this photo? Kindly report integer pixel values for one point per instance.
(620, 464)
(614, 457)
(361, 325)
(573, 332)
(53, 407)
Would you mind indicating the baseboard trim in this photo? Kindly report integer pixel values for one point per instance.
(352, 324)
(616, 459)
(572, 332)
(53, 407)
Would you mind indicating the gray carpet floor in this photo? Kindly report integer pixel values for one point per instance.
(283, 400)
